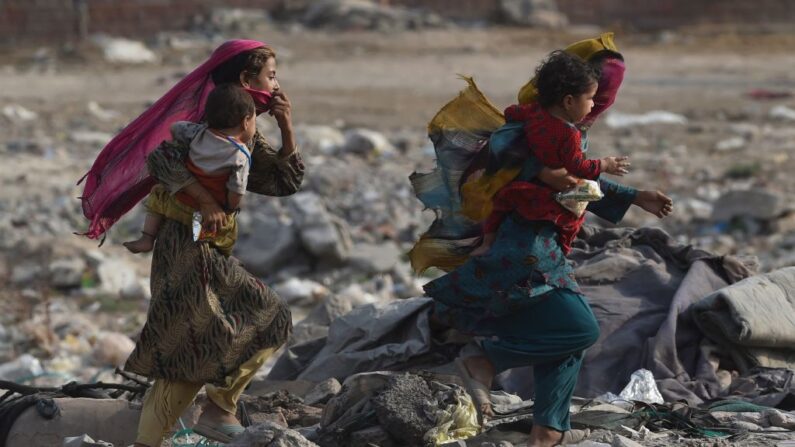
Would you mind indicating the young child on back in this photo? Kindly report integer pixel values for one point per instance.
(218, 158)
(566, 86)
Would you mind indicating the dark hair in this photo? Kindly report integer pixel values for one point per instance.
(560, 75)
(228, 105)
(597, 60)
(248, 62)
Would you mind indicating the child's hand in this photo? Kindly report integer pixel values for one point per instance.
(485, 246)
(615, 165)
(655, 202)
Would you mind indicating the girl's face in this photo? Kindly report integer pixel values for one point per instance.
(578, 107)
(265, 80)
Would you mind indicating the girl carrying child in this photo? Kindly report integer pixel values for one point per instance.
(517, 288)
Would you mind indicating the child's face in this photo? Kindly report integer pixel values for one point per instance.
(265, 80)
(578, 107)
(249, 128)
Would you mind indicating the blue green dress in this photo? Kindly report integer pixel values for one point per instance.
(523, 296)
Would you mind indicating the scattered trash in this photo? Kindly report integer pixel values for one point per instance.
(641, 387)
(102, 114)
(765, 94)
(84, 441)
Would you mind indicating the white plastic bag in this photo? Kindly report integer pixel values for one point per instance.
(576, 199)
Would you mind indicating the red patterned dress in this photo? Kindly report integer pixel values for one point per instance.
(556, 144)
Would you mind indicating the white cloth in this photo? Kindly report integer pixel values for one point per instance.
(216, 155)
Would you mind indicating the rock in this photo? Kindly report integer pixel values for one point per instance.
(322, 235)
(375, 258)
(116, 275)
(365, 14)
(782, 112)
(268, 241)
(755, 203)
(136, 290)
(294, 410)
(18, 114)
(112, 349)
(66, 273)
(90, 137)
(125, 51)
(25, 274)
(367, 142)
(301, 292)
(322, 392)
(24, 366)
(401, 406)
(269, 434)
(730, 144)
(102, 114)
(536, 13)
(84, 441)
(370, 436)
(324, 140)
(620, 441)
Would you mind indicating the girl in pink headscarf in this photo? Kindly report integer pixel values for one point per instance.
(209, 321)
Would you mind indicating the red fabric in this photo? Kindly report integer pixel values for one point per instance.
(214, 184)
(609, 82)
(118, 179)
(557, 145)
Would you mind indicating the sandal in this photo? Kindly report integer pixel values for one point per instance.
(480, 394)
(221, 433)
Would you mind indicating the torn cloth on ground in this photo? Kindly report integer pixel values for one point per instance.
(753, 320)
(640, 284)
(368, 338)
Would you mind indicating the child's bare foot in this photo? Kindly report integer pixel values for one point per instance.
(143, 244)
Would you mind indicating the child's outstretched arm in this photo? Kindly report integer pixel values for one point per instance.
(655, 202)
(563, 149)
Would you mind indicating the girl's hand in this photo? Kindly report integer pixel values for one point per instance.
(485, 245)
(281, 109)
(213, 216)
(558, 179)
(615, 165)
(655, 202)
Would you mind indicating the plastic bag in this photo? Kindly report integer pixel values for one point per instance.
(576, 199)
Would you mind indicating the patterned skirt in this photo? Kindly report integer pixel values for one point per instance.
(207, 315)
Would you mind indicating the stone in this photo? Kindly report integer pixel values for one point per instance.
(375, 258)
(66, 273)
(322, 392)
(755, 203)
(324, 140)
(301, 292)
(269, 434)
(401, 406)
(323, 235)
(112, 348)
(730, 144)
(267, 242)
(621, 441)
(24, 366)
(367, 142)
(25, 274)
(535, 13)
(115, 275)
(136, 290)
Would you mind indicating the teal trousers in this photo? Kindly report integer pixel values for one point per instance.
(550, 335)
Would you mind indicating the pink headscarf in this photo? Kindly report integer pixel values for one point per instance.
(609, 82)
(118, 179)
